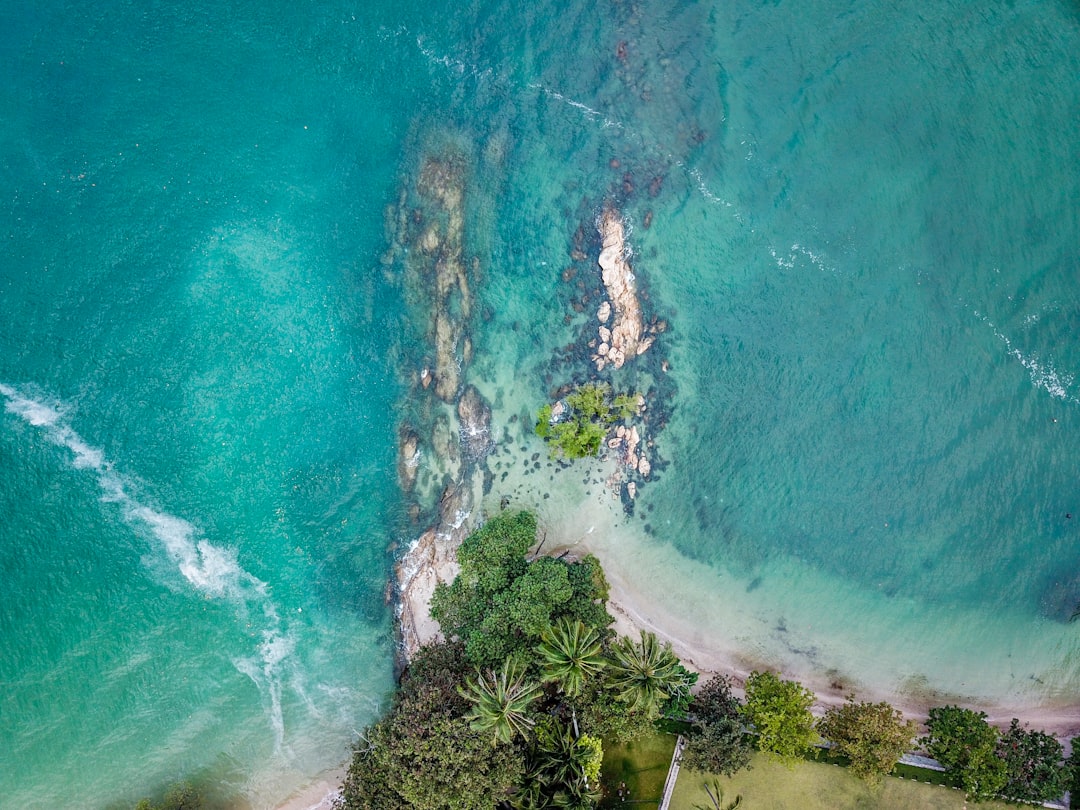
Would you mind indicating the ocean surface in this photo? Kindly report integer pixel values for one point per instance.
(860, 223)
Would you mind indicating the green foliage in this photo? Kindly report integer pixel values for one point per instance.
(872, 735)
(779, 711)
(714, 701)
(590, 401)
(543, 422)
(717, 743)
(624, 406)
(679, 696)
(1072, 775)
(604, 715)
(563, 769)
(500, 702)
(588, 600)
(593, 759)
(569, 654)
(962, 741)
(721, 746)
(645, 675)
(1033, 766)
(424, 754)
(500, 604)
(577, 438)
(716, 798)
(592, 412)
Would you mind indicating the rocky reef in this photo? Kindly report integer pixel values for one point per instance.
(444, 433)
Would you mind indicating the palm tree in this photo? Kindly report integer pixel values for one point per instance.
(717, 797)
(645, 674)
(561, 762)
(569, 653)
(500, 702)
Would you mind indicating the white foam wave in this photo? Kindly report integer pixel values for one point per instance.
(452, 64)
(788, 262)
(210, 569)
(585, 108)
(1043, 374)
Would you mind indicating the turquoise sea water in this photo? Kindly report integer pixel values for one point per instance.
(862, 230)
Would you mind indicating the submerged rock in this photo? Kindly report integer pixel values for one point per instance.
(475, 429)
(408, 458)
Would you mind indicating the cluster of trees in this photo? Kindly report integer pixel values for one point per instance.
(591, 411)
(512, 709)
(873, 736)
(1017, 764)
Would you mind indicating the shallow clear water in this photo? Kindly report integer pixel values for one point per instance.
(862, 230)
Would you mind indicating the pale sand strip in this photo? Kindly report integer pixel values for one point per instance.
(634, 613)
(319, 794)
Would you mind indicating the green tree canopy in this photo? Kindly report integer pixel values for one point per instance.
(962, 741)
(645, 674)
(591, 411)
(717, 742)
(779, 711)
(715, 701)
(872, 735)
(500, 702)
(570, 653)
(1033, 766)
(424, 754)
(722, 746)
(500, 604)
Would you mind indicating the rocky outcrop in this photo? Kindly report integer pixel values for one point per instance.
(626, 327)
(627, 336)
(431, 241)
(430, 560)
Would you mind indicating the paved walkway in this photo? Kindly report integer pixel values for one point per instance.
(673, 772)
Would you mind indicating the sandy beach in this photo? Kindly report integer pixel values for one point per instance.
(319, 794)
(633, 613)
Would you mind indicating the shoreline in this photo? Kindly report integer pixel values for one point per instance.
(634, 613)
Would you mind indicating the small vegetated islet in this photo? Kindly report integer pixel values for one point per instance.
(588, 414)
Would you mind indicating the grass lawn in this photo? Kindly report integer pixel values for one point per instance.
(817, 786)
(642, 766)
